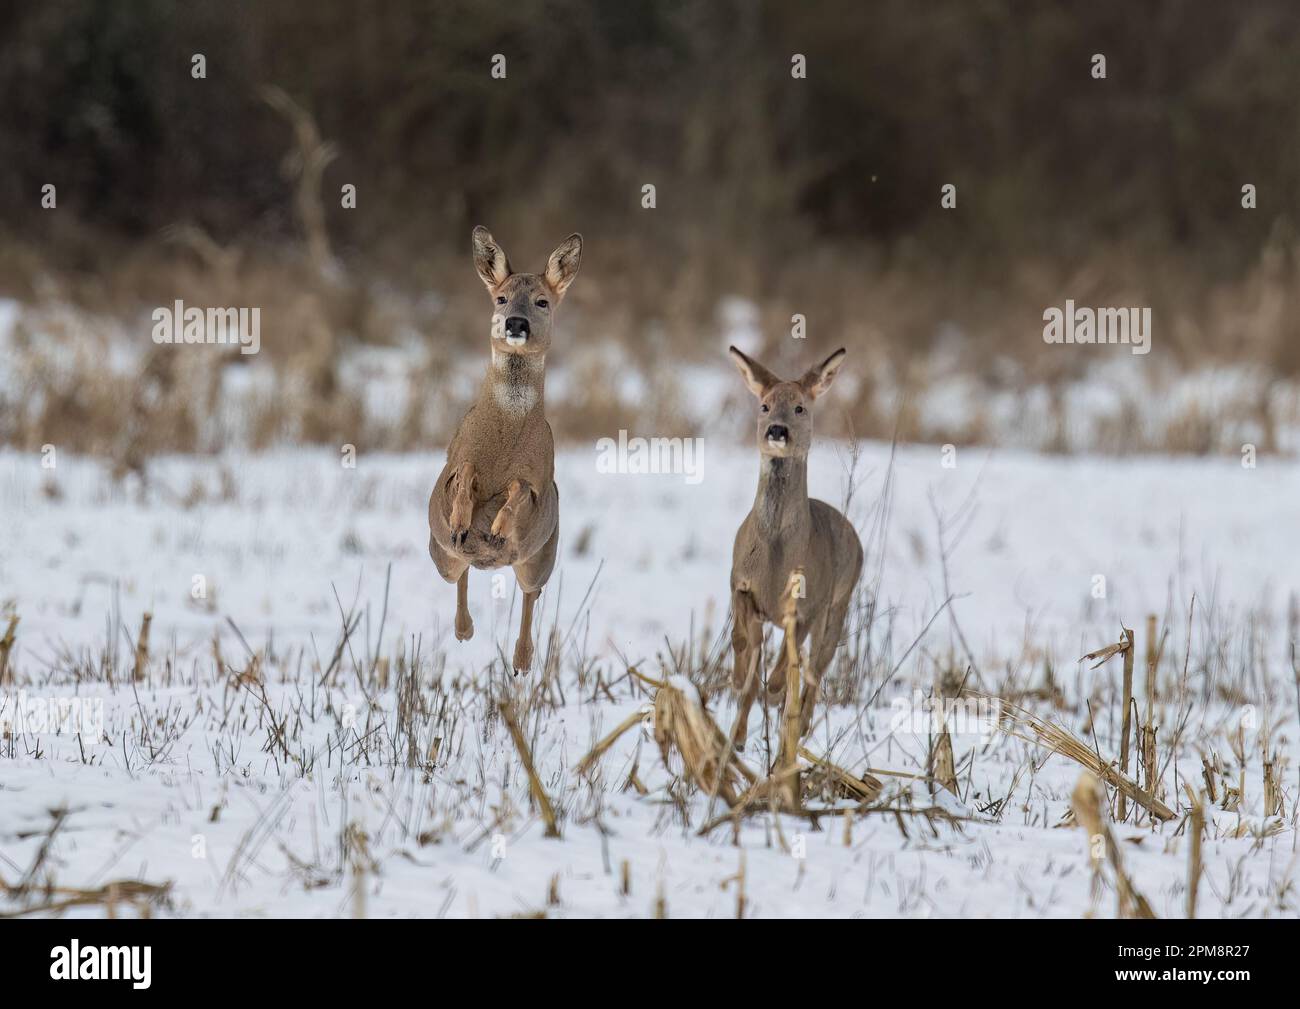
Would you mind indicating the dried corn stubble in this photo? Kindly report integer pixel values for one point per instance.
(1102, 655)
(682, 724)
(1211, 771)
(941, 765)
(534, 782)
(142, 649)
(6, 647)
(1089, 805)
(866, 788)
(1273, 805)
(1196, 821)
(787, 760)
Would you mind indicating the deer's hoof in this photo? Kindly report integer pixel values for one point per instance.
(504, 524)
(464, 627)
(507, 518)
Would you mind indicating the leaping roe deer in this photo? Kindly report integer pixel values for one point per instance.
(785, 531)
(495, 502)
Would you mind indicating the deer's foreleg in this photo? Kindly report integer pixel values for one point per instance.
(521, 501)
(523, 660)
(747, 652)
(464, 624)
(462, 486)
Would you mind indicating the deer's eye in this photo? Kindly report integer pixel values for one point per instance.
(543, 303)
(501, 301)
(765, 408)
(798, 409)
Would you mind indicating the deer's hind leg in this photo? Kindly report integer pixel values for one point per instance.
(537, 526)
(825, 640)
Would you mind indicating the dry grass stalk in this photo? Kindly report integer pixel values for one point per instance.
(588, 762)
(360, 863)
(135, 892)
(792, 723)
(1026, 725)
(739, 880)
(7, 647)
(1197, 821)
(217, 657)
(1233, 797)
(251, 675)
(1150, 751)
(1150, 759)
(1154, 651)
(1089, 805)
(1211, 771)
(1127, 637)
(752, 802)
(142, 649)
(1273, 805)
(534, 782)
(635, 783)
(896, 774)
(625, 878)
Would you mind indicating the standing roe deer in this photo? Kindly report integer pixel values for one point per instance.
(495, 502)
(786, 530)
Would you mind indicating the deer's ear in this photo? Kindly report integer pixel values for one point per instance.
(489, 258)
(819, 378)
(563, 265)
(758, 378)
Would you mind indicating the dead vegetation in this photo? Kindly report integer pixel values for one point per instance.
(486, 745)
(37, 891)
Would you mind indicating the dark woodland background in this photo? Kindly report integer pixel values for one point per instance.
(818, 196)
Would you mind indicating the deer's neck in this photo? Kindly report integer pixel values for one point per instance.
(781, 504)
(515, 384)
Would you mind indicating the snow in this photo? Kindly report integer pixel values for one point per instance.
(192, 790)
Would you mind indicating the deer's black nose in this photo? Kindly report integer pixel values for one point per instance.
(517, 325)
(779, 432)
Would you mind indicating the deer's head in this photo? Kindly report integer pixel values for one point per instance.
(524, 304)
(785, 408)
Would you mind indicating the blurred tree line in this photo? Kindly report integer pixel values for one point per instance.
(601, 97)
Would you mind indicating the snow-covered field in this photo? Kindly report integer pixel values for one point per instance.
(373, 775)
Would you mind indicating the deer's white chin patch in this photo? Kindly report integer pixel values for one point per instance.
(516, 341)
(777, 443)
